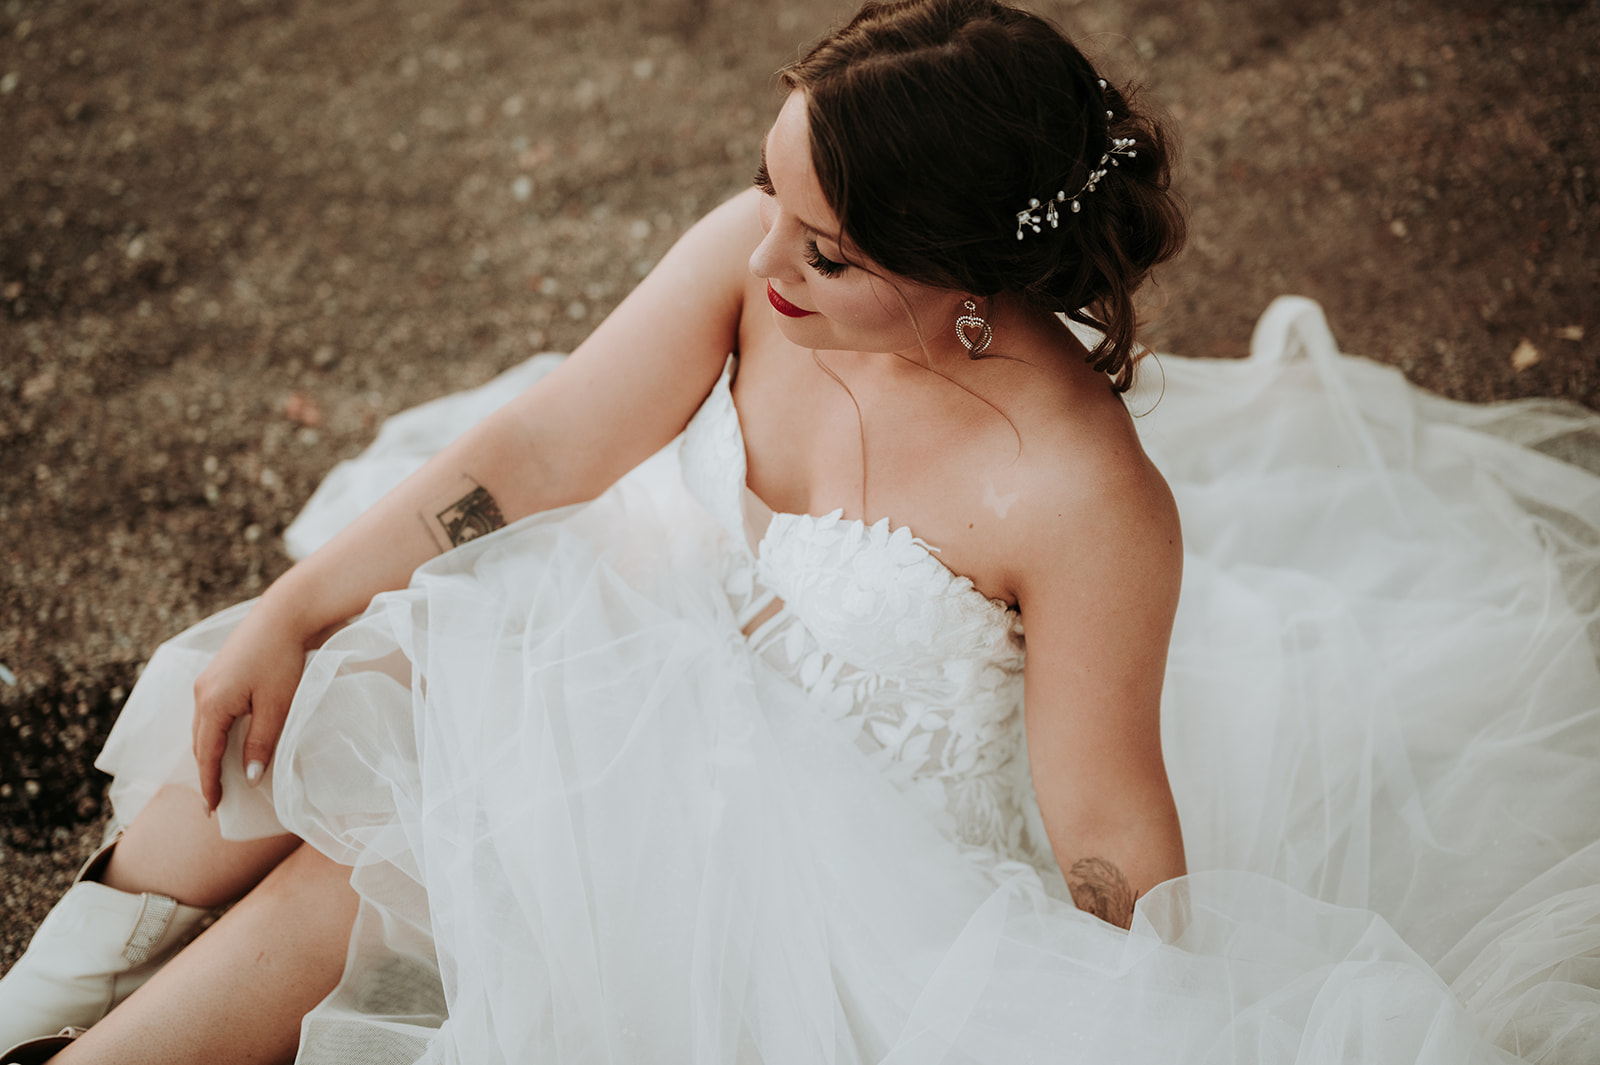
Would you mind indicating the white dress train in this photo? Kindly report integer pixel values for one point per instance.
(594, 819)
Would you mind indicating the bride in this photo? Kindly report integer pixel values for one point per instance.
(832, 701)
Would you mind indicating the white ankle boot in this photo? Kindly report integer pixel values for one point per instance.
(91, 952)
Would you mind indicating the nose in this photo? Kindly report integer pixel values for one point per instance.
(763, 261)
(769, 259)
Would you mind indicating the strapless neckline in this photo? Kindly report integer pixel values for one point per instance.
(780, 523)
(880, 531)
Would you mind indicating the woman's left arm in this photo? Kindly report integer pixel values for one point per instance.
(1098, 570)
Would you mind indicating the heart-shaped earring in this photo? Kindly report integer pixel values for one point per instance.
(970, 323)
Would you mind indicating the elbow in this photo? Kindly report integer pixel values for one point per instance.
(1113, 853)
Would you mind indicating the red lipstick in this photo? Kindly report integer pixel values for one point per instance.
(783, 306)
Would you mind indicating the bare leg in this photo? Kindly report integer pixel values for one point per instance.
(175, 848)
(238, 993)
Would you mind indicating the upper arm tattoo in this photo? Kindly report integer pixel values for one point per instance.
(473, 515)
(1098, 887)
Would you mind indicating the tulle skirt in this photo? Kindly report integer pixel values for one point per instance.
(588, 826)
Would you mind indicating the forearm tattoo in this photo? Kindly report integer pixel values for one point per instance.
(1098, 887)
(473, 515)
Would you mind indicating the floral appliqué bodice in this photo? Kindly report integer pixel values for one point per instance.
(920, 667)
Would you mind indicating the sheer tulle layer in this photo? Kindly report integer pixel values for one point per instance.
(588, 826)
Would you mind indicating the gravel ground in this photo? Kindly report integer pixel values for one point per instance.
(235, 235)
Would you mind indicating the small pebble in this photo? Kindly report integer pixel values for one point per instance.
(38, 386)
(1525, 356)
(300, 407)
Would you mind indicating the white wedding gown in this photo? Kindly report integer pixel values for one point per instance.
(599, 810)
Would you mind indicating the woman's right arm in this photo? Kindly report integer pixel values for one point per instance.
(626, 391)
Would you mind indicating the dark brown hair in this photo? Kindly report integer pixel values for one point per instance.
(933, 122)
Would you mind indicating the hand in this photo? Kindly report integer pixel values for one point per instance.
(255, 673)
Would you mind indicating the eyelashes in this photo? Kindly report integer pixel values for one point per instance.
(814, 258)
(821, 263)
(763, 180)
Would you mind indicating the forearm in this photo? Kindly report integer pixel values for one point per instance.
(473, 487)
(1112, 858)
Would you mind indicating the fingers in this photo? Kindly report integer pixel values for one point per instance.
(256, 673)
(210, 744)
(214, 719)
(266, 725)
(218, 705)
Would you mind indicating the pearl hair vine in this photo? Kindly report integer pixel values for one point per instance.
(1036, 213)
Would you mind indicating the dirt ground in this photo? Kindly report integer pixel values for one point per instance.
(236, 234)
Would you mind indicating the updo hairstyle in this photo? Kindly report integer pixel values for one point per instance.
(933, 122)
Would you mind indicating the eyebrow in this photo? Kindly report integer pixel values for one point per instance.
(764, 183)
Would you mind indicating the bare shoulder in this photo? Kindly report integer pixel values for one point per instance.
(684, 316)
(735, 223)
(712, 260)
(724, 238)
(1094, 515)
(635, 382)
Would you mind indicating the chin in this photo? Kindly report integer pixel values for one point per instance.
(821, 334)
(809, 332)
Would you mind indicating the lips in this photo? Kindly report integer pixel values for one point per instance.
(783, 306)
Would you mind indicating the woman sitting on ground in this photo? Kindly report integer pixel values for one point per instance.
(834, 732)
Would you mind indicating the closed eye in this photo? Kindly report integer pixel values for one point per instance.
(814, 258)
(763, 180)
(821, 263)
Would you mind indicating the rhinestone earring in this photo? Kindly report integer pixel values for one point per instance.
(974, 333)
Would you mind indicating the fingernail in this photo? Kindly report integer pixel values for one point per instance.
(253, 771)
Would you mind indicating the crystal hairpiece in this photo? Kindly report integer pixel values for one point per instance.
(1036, 213)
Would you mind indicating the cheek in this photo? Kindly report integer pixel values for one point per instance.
(870, 304)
